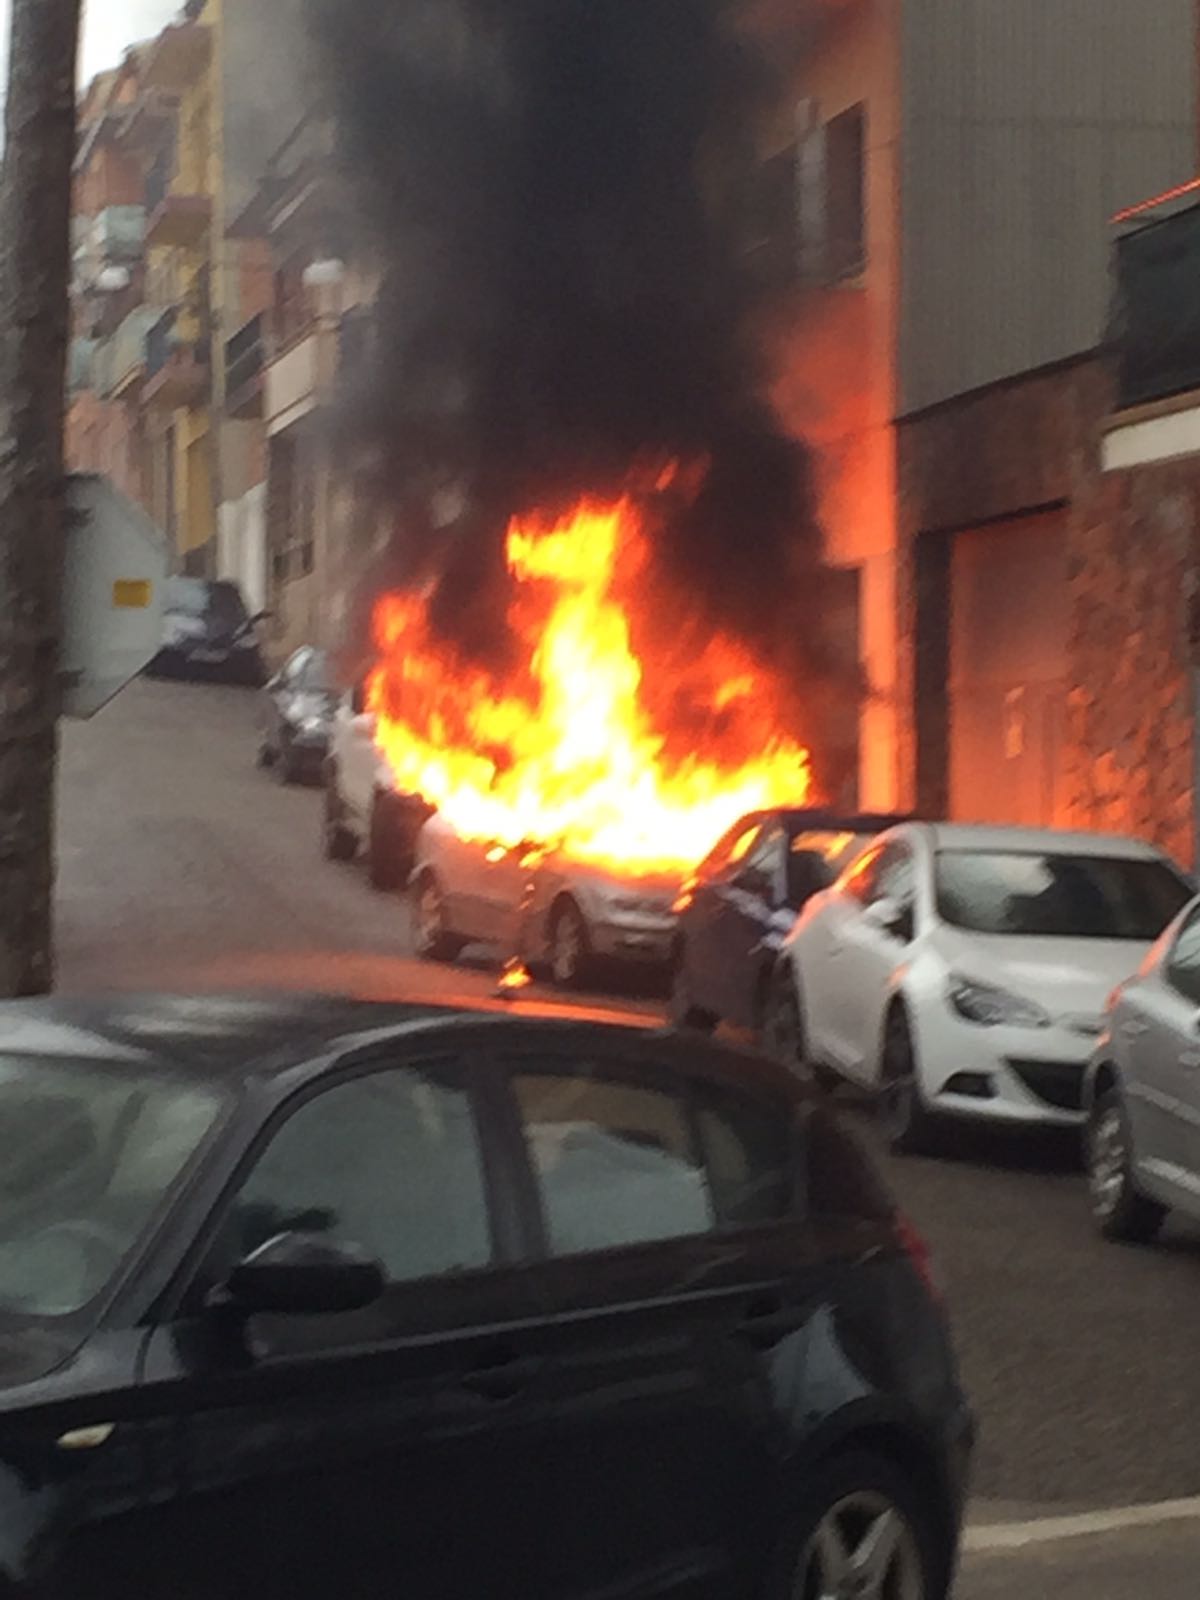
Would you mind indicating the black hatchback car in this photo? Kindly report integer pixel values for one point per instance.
(209, 635)
(742, 902)
(306, 1297)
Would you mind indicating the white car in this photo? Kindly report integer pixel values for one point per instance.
(364, 811)
(963, 971)
(1143, 1093)
(544, 909)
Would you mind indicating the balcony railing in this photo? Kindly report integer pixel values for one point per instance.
(245, 357)
(177, 370)
(1157, 322)
(121, 361)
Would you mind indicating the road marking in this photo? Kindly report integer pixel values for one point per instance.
(1004, 1536)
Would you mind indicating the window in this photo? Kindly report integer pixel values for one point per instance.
(91, 1153)
(389, 1162)
(614, 1162)
(747, 1148)
(1058, 896)
(1183, 966)
(845, 218)
(861, 879)
(896, 876)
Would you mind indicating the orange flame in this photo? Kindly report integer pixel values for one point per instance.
(637, 762)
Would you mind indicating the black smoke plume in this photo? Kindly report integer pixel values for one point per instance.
(560, 196)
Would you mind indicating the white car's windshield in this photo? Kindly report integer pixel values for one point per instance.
(1057, 896)
(89, 1154)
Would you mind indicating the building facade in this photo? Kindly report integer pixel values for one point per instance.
(953, 382)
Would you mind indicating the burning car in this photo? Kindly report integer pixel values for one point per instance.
(538, 905)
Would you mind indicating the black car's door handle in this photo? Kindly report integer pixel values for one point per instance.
(501, 1377)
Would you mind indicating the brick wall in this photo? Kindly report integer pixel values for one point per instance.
(1133, 556)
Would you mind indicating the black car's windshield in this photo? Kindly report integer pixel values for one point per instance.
(90, 1152)
(219, 604)
(1057, 896)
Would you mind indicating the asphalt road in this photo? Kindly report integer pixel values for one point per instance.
(183, 867)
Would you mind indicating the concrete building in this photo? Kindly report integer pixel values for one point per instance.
(959, 164)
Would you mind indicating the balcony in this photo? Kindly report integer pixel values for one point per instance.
(245, 358)
(293, 383)
(120, 362)
(178, 57)
(180, 221)
(178, 373)
(1157, 332)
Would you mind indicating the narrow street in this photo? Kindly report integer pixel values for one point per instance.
(185, 868)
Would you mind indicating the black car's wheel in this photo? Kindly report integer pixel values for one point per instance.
(1120, 1211)
(389, 863)
(684, 1013)
(433, 936)
(289, 767)
(865, 1531)
(570, 945)
(785, 1036)
(907, 1122)
(337, 841)
(266, 755)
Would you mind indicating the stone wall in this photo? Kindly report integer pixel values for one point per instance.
(1134, 552)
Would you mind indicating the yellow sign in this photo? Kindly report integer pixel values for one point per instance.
(132, 594)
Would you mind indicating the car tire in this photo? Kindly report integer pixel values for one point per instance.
(865, 1528)
(570, 946)
(683, 1013)
(289, 767)
(388, 866)
(785, 1036)
(265, 758)
(1120, 1211)
(909, 1126)
(337, 841)
(433, 938)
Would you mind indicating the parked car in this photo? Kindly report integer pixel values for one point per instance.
(963, 971)
(315, 1298)
(364, 810)
(1143, 1093)
(296, 717)
(740, 904)
(541, 907)
(209, 635)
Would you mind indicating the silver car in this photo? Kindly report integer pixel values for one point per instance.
(1142, 1095)
(536, 906)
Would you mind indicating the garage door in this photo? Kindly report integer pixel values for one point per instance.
(1008, 630)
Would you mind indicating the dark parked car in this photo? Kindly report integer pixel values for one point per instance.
(315, 1297)
(209, 635)
(742, 901)
(296, 717)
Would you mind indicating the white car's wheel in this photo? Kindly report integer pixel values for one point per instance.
(904, 1115)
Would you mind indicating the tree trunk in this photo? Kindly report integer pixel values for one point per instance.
(35, 256)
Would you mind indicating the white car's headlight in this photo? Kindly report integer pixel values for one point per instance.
(990, 1007)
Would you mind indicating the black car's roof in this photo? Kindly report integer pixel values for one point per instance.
(236, 1038)
(796, 818)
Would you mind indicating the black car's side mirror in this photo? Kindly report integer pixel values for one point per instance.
(304, 1274)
